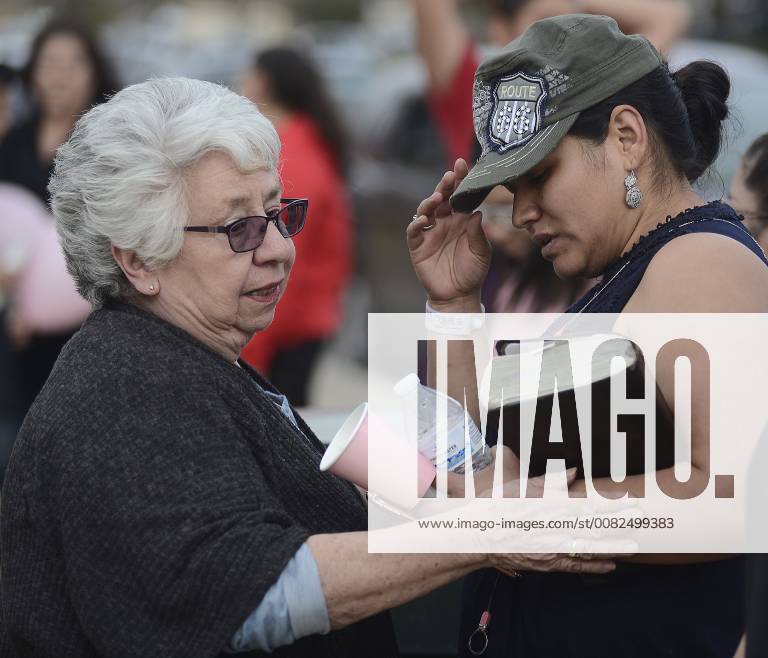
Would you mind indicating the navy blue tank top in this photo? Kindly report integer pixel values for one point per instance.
(638, 611)
(622, 277)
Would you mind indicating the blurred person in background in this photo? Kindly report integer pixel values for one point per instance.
(451, 57)
(749, 197)
(757, 563)
(314, 158)
(37, 297)
(7, 78)
(663, 22)
(749, 190)
(520, 280)
(66, 74)
(10, 407)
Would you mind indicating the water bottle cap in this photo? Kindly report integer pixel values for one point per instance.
(407, 385)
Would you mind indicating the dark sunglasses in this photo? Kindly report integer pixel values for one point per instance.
(247, 233)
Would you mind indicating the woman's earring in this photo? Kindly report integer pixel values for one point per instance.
(634, 195)
(151, 287)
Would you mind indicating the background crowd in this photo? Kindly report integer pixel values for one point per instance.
(371, 100)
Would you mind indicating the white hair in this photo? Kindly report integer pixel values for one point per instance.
(119, 179)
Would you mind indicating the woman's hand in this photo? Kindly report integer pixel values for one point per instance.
(513, 563)
(566, 553)
(452, 257)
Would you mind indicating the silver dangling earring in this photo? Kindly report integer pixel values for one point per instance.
(634, 195)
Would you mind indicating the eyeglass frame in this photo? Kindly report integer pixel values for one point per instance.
(226, 229)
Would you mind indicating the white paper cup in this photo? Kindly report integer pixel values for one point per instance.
(347, 457)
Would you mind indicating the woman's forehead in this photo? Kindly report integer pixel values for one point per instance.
(61, 44)
(234, 202)
(217, 185)
(217, 173)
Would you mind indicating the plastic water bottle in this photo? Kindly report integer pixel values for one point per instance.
(426, 427)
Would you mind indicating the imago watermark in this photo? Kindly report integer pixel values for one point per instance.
(641, 427)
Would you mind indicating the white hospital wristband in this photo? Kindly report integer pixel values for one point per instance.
(454, 324)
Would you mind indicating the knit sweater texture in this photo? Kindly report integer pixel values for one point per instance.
(153, 496)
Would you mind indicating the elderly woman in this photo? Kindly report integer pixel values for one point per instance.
(162, 498)
(600, 145)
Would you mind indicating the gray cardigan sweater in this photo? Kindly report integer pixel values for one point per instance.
(153, 496)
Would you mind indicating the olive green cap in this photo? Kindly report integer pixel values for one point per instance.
(527, 97)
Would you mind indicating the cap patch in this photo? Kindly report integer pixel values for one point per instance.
(557, 81)
(518, 108)
(482, 106)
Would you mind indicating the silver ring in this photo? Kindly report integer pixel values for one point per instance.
(430, 227)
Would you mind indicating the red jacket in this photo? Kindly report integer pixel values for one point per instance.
(451, 109)
(311, 305)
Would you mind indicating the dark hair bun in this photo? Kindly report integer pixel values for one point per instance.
(704, 87)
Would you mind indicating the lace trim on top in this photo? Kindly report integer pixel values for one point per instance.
(672, 223)
(606, 291)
